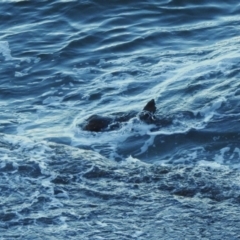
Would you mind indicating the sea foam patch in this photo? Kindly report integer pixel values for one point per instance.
(109, 143)
(5, 50)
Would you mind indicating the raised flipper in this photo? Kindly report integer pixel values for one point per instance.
(147, 114)
(150, 107)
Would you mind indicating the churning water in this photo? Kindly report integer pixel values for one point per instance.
(63, 61)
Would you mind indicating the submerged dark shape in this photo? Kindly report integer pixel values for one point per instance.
(147, 114)
(150, 106)
(96, 123)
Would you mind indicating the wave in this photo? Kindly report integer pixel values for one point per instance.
(79, 192)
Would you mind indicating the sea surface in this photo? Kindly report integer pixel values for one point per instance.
(63, 61)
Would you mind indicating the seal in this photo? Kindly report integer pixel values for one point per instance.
(97, 123)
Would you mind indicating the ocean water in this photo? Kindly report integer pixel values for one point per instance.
(63, 61)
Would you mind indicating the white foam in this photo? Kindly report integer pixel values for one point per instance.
(166, 132)
(146, 145)
(132, 160)
(5, 50)
(52, 101)
(236, 151)
(219, 158)
(211, 164)
(208, 111)
(137, 234)
(49, 93)
(110, 140)
(38, 150)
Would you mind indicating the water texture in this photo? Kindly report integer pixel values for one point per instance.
(63, 61)
(55, 192)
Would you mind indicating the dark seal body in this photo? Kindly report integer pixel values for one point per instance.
(96, 123)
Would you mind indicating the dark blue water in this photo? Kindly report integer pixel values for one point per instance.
(63, 61)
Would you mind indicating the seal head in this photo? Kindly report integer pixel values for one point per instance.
(97, 123)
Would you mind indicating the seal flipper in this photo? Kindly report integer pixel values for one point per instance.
(150, 107)
(147, 114)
